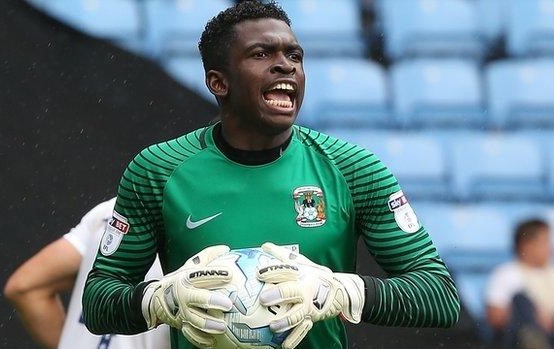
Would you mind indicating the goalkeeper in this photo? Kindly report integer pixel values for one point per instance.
(256, 176)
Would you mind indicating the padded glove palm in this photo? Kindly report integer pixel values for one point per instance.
(313, 293)
(183, 298)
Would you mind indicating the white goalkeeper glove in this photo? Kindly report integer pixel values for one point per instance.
(315, 293)
(182, 299)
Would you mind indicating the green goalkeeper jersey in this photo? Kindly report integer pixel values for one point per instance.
(322, 194)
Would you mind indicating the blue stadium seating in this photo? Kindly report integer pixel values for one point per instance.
(417, 160)
(471, 239)
(345, 91)
(498, 167)
(520, 94)
(430, 28)
(174, 26)
(114, 20)
(189, 71)
(530, 27)
(546, 139)
(492, 22)
(437, 92)
(474, 238)
(327, 27)
(465, 226)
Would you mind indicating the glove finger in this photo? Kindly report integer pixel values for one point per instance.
(198, 338)
(297, 334)
(208, 277)
(289, 256)
(291, 318)
(277, 273)
(285, 292)
(207, 255)
(208, 322)
(282, 253)
(206, 299)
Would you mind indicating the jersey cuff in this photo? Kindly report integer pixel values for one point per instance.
(136, 304)
(371, 290)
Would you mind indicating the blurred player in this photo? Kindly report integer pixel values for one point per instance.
(255, 177)
(35, 288)
(520, 293)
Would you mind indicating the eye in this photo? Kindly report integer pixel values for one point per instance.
(296, 56)
(260, 54)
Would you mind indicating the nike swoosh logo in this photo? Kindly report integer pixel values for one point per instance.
(195, 224)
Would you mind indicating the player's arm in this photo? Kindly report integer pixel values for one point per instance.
(501, 286)
(34, 290)
(182, 299)
(419, 289)
(115, 284)
(115, 297)
(114, 287)
(497, 317)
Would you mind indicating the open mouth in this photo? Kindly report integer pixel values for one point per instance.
(280, 95)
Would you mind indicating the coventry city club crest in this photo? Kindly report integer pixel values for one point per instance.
(310, 205)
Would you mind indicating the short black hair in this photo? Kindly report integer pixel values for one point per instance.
(219, 32)
(528, 230)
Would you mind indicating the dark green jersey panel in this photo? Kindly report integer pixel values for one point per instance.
(322, 194)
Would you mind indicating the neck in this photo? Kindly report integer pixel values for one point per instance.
(247, 156)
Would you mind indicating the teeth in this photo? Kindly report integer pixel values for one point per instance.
(283, 104)
(282, 86)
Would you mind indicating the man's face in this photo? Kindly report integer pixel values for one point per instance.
(537, 250)
(266, 76)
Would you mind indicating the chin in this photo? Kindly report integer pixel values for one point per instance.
(276, 125)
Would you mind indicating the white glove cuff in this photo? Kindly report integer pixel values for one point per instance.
(149, 316)
(355, 289)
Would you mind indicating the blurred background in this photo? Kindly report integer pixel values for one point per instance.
(455, 96)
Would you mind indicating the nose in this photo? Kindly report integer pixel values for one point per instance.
(283, 65)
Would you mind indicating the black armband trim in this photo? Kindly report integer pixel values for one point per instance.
(136, 303)
(371, 290)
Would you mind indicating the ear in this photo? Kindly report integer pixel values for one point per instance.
(217, 83)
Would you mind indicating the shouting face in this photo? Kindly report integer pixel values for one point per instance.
(264, 79)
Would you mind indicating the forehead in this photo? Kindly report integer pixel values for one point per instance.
(264, 30)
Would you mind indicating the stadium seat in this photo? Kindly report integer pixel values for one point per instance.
(471, 239)
(189, 71)
(530, 27)
(498, 167)
(520, 93)
(465, 227)
(114, 20)
(437, 92)
(327, 27)
(175, 26)
(547, 141)
(416, 159)
(471, 289)
(350, 92)
(492, 22)
(430, 28)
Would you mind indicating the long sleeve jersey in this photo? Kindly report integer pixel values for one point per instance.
(322, 194)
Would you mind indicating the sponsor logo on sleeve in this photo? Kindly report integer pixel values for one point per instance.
(116, 228)
(404, 215)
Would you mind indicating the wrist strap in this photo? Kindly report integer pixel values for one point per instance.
(148, 294)
(355, 290)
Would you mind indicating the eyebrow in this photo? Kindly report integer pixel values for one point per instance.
(272, 47)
